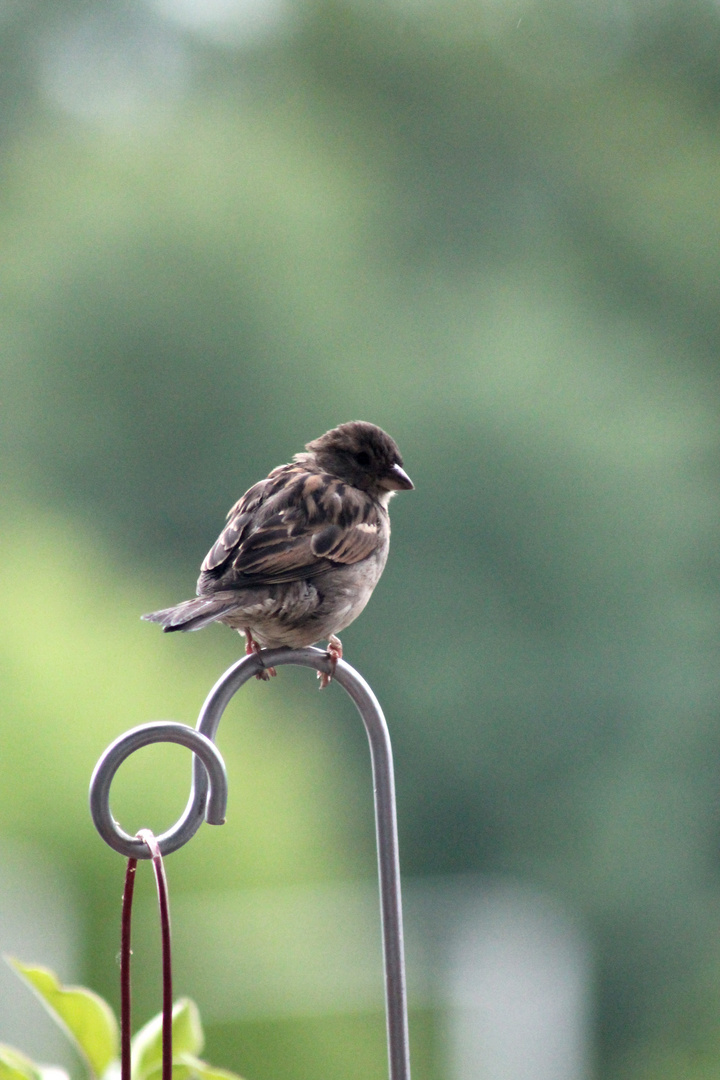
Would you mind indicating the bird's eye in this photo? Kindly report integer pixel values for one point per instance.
(363, 459)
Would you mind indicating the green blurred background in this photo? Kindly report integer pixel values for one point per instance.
(493, 228)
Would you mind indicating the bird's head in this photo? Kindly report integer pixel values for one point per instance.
(362, 455)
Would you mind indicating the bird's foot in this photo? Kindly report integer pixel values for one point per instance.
(334, 651)
(251, 646)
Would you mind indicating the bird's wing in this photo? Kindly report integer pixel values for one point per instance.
(293, 526)
(239, 521)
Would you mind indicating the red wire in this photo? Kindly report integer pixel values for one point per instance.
(125, 953)
(163, 903)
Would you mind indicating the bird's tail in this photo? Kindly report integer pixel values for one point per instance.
(192, 614)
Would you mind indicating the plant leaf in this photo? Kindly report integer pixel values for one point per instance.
(187, 1033)
(187, 1067)
(86, 1017)
(200, 1070)
(15, 1066)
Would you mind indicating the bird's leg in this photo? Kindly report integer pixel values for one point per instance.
(251, 646)
(334, 651)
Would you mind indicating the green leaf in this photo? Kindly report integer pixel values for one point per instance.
(187, 1067)
(85, 1016)
(187, 1034)
(15, 1066)
(200, 1070)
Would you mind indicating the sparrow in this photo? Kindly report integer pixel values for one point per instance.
(303, 549)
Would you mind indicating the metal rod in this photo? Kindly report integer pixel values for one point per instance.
(203, 790)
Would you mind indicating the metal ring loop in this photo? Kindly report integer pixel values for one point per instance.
(211, 766)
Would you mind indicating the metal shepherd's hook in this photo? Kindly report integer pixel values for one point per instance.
(208, 799)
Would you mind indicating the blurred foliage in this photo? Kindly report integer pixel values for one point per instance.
(492, 229)
(90, 1024)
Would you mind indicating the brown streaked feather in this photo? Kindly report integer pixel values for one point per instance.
(292, 526)
(238, 518)
(346, 545)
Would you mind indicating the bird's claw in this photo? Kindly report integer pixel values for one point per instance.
(252, 648)
(266, 674)
(334, 653)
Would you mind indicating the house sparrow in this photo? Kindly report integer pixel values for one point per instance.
(302, 550)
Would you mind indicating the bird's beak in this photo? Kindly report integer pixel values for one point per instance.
(397, 480)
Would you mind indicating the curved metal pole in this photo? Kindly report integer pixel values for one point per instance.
(385, 815)
(198, 806)
(208, 756)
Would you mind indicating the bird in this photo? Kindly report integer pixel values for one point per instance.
(303, 549)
